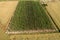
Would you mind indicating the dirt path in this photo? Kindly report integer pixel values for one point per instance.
(6, 11)
(54, 10)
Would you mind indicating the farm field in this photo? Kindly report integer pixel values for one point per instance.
(6, 11)
(54, 10)
(47, 36)
(29, 15)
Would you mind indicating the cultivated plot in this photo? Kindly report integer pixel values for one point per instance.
(7, 9)
(53, 36)
(30, 15)
(54, 10)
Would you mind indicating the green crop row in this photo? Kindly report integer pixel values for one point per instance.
(30, 15)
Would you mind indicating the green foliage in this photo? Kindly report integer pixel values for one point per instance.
(30, 15)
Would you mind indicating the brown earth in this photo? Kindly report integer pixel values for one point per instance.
(6, 11)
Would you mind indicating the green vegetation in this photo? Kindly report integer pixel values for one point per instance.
(30, 15)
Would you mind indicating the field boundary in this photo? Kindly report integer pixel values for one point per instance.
(30, 31)
(53, 20)
(35, 31)
(50, 18)
(7, 9)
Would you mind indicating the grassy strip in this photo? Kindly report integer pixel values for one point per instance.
(29, 15)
